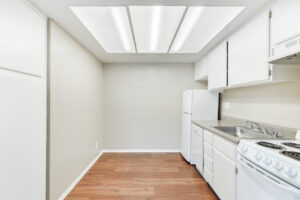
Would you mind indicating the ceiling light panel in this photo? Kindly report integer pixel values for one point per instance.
(200, 26)
(110, 26)
(154, 27)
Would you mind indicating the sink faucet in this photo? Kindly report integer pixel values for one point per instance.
(275, 134)
(256, 127)
(251, 125)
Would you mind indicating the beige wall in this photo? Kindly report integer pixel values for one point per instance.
(142, 104)
(277, 103)
(75, 109)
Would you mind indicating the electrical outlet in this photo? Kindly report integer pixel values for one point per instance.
(97, 145)
(226, 105)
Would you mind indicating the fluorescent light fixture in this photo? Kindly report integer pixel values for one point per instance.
(155, 26)
(110, 26)
(121, 26)
(200, 25)
(190, 20)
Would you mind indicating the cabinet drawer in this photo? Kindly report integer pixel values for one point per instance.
(208, 137)
(208, 176)
(226, 147)
(208, 150)
(208, 163)
(197, 130)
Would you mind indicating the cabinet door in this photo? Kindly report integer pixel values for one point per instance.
(217, 67)
(224, 181)
(23, 136)
(248, 51)
(23, 38)
(200, 72)
(186, 135)
(197, 148)
(285, 21)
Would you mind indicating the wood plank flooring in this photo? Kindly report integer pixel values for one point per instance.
(142, 176)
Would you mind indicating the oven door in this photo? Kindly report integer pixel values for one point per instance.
(255, 183)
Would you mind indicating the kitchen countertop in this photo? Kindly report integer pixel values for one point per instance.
(209, 125)
(284, 133)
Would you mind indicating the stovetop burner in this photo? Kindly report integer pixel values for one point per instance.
(270, 145)
(292, 144)
(291, 154)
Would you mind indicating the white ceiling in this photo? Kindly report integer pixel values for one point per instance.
(60, 12)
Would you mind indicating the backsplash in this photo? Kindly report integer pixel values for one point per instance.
(285, 132)
(273, 104)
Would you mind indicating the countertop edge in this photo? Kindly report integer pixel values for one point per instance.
(205, 125)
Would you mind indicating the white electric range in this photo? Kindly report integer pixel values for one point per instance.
(268, 170)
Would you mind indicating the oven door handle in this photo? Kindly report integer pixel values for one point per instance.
(254, 169)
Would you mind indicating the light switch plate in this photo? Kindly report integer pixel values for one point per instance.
(226, 105)
(97, 145)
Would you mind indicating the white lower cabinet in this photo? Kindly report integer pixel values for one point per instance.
(224, 182)
(197, 148)
(220, 165)
(208, 160)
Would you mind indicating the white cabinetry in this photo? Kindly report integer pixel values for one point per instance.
(285, 23)
(247, 52)
(220, 165)
(224, 168)
(285, 32)
(23, 38)
(197, 148)
(208, 160)
(217, 67)
(200, 72)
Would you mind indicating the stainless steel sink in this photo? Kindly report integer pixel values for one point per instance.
(242, 132)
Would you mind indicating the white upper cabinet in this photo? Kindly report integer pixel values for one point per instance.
(247, 52)
(285, 31)
(217, 67)
(200, 72)
(23, 36)
(285, 21)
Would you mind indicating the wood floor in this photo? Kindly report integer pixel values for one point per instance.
(142, 176)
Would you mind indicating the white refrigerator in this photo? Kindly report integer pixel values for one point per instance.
(196, 105)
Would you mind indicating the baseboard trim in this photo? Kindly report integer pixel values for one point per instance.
(141, 151)
(70, 188)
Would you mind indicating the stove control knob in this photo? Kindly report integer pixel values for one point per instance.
(291, 172)
(258, 156)
(268, 160)
(278, 166)
(241, 147)
(244, 149)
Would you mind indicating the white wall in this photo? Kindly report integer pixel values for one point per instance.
(275, 104)
(22, 102)
(75, 113)
(142, 104)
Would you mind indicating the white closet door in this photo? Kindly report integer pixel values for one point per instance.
(23, 102)
(23, 37)
(22, 136)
